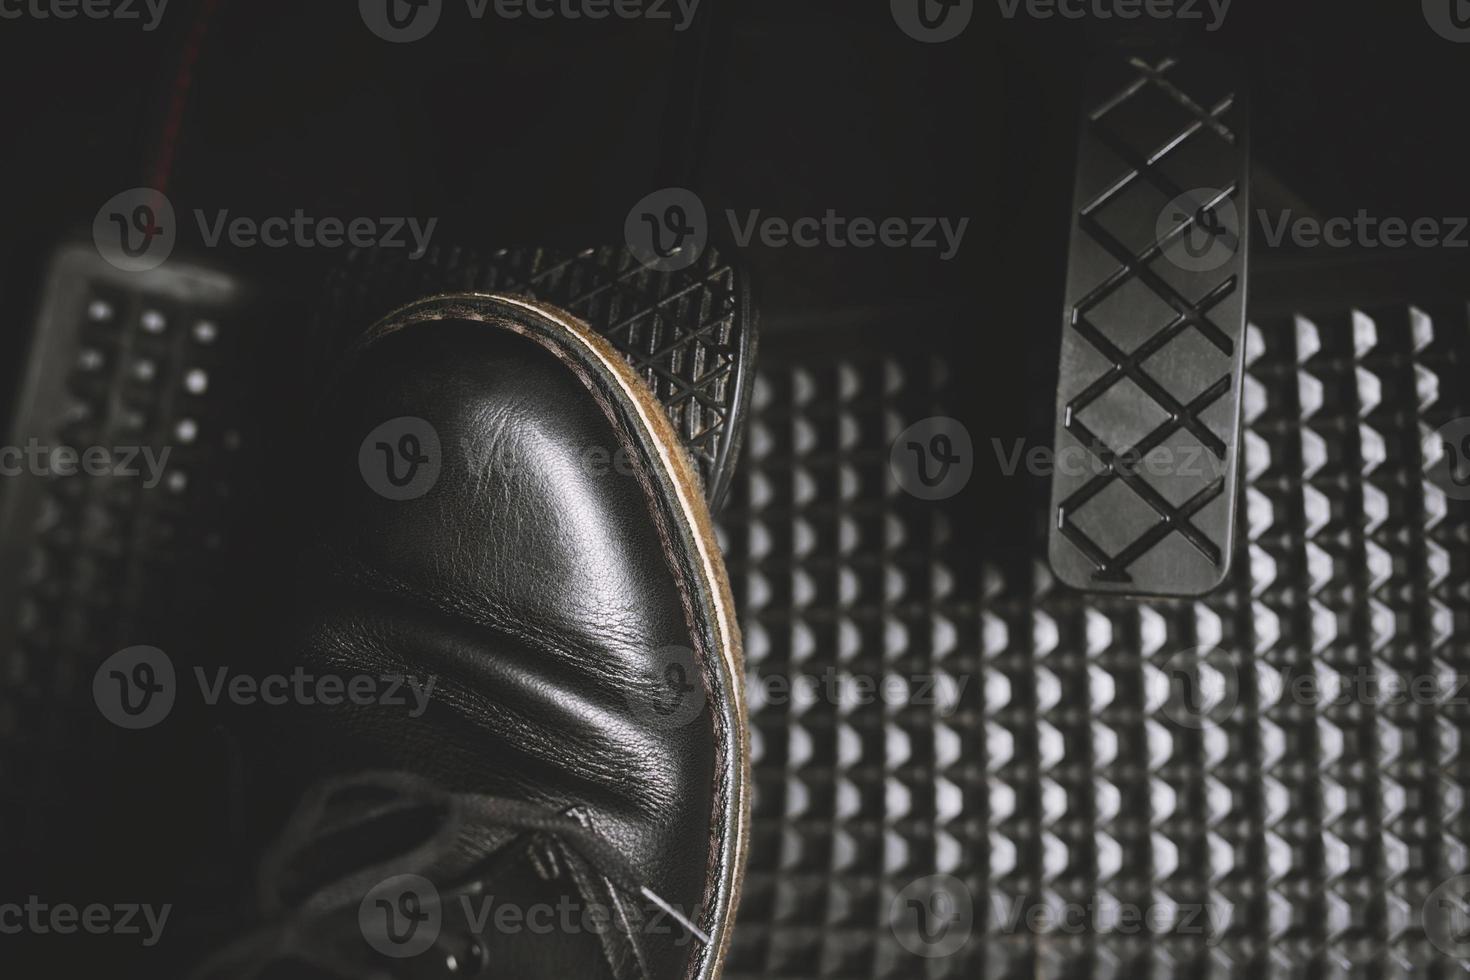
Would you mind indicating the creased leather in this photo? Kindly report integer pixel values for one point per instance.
(533, 585)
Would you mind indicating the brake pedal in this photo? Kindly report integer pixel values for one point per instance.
(690, 333)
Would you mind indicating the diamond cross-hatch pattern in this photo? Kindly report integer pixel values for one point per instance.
(1141, 360)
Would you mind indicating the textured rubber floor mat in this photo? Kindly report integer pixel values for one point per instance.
(1148, 399)
(1073, 786)
(690, 333)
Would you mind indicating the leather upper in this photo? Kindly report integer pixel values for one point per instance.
(541, 581)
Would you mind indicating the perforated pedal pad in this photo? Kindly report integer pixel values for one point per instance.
(127, 475)
(690, 333)
(131, 405)
(1144, 485)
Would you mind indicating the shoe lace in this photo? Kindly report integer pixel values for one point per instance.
(454, 837)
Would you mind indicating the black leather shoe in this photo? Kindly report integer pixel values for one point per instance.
(515, 566)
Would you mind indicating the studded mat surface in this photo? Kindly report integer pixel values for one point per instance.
(1116, 788)
(1110, 787)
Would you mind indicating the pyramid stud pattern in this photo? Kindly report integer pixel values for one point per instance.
(1265, 830)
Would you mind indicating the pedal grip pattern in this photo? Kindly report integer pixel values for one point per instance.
(145, 379)
(690, 333)
(1145, 484)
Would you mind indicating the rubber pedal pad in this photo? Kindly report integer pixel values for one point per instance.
(133, 377)
(690, 333)
(1145, 483)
